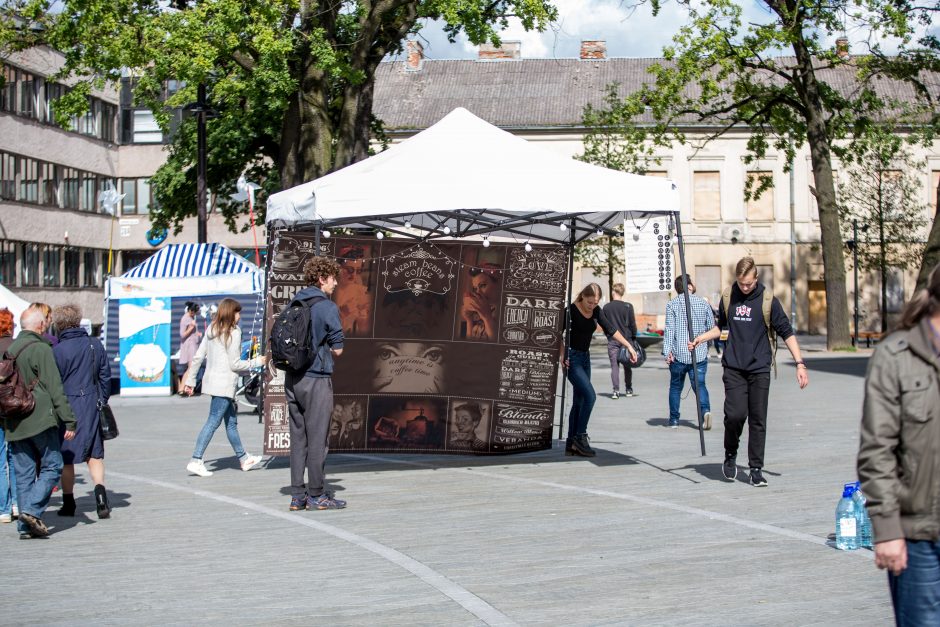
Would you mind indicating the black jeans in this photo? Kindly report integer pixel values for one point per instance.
(746, 395)
(310, 404)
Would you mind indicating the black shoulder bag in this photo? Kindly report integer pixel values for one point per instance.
(106, 421)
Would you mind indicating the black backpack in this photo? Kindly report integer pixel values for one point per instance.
(291, 346)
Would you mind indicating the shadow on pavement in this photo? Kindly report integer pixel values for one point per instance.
(712, 472)
(850, 366)
(85, 513)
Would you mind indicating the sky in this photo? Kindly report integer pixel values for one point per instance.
(629, 30)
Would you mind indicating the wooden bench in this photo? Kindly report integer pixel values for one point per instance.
(869, 337)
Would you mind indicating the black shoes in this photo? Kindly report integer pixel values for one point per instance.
(729, 468)
(101, 502)
(757, 478)
(68, 505)
(629, 393)
(580, 445)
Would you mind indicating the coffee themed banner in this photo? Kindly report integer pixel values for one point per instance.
(450, 347)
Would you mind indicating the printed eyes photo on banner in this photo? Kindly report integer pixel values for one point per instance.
(409, 367)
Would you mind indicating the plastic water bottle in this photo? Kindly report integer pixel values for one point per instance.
(864, 522)
(846, 521)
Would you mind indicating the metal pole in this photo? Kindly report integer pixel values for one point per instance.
(855, 273)
(688, 320)
(792, 241)
(564, 371)
(202, 196)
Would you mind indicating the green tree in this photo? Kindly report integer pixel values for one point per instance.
(726, 73)
(881, 191)
(291, 81)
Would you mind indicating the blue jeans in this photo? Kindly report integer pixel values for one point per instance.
(221, 408)
(7, 477)
(915, 593)
(583, 396)
(677, 374)
(34, 481)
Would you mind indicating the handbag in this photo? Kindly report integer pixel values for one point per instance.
(623, 356)
(107, 424)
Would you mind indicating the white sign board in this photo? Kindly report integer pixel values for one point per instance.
(648, 254)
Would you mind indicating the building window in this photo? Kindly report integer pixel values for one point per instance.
(706, 196)
(29, 277)
(109, 114)
(8, 93)
(129, 202)
(146, 129)
(133, 258)
(27, 86)
(73, 260)
(89, 192)
(8, 263)
(7, 176)
(932, 192)
(50, 266)
(760, 209)
(69, 187)
(91, 273)
(47, 184)
(29, 180)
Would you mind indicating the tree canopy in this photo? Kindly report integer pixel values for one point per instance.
(782, 81)
(291, 82)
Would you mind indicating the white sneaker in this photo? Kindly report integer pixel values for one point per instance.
(16, 511)
(197, 467)
(6, 518)
(249, 462)
(707, 421)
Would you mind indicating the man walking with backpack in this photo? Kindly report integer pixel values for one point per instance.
(754, 318)
(34, 435)
(310, 391)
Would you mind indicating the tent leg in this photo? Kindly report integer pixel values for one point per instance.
(688, 321)
(567, 335)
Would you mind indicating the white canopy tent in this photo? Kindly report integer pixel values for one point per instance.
(474, 178)
(15, 304)
(464, 177)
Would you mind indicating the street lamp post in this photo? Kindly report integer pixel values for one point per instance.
(202, 111)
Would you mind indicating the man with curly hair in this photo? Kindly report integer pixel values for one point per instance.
(310, 393)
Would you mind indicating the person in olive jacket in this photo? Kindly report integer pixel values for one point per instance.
(34, 439)
(899, 457)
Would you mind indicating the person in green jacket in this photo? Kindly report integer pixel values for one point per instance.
(34, 439)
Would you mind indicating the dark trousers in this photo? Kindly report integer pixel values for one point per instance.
(583, 396)
(310, 403)
(746, 395)
(613, 350)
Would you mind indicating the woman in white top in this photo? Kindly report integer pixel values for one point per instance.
(221, 348)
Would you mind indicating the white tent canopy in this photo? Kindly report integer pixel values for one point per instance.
(15, 304)
(474, 178)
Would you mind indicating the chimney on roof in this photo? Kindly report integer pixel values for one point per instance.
(506, 50)
(842, 47)
(415, 55)
(593, 49)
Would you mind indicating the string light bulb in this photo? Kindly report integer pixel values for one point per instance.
(486, 242)
(636, 235)
(326, 234)
(407, 224)
(600, 232)
(563, 226)
(380, 235)
(528, 247)
(446, 230)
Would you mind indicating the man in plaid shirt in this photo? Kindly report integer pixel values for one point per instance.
(676, 351)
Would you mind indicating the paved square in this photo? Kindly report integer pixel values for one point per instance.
(646, 533)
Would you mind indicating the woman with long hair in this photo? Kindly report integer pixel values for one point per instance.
(584, 318)
(899, 457)
(86, 378)
(221, 349)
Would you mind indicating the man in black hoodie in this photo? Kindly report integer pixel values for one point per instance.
(747, 363)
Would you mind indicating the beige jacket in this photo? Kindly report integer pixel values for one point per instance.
(899, 456)
(223, 364)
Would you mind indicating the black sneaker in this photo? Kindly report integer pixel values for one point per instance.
(581, 445)
(629, 392)
(615, 395)
(325, 501)
(729, 468)
(757, 478)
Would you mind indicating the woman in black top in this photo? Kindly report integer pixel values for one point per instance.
(584, 318)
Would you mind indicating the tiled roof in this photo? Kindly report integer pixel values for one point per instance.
(532, 93)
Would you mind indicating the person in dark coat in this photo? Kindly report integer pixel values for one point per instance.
(86, 377)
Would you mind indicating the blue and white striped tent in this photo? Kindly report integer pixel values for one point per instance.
(203, 273)
(189, 260)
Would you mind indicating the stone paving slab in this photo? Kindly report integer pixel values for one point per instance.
(647, 533)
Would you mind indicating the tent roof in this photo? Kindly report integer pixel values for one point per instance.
(474, 178)
(191, 260)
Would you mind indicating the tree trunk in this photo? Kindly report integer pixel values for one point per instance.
(932, 250)
(837, 305)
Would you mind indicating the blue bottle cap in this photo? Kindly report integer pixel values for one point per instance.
(847, 491)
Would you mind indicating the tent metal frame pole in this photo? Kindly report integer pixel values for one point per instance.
(567, 335)
(688, 320)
